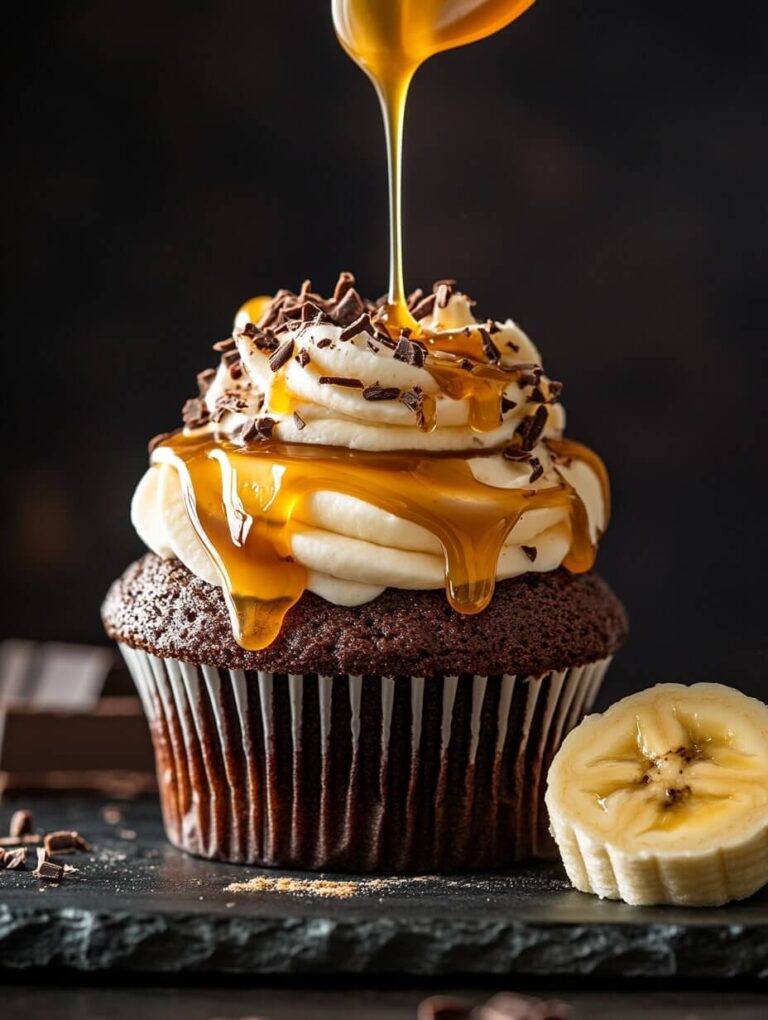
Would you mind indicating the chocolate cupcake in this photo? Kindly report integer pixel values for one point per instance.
(369, 617)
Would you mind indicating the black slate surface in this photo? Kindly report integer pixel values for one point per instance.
(138, 904)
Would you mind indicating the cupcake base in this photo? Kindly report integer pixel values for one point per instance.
(356, 773)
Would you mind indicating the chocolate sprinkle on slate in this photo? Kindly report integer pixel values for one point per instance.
(362, 324)
(298, 421)
(381, 393)
(281, 355)
(340, 380)
(530, 551)
(412, 352)
(490, 350)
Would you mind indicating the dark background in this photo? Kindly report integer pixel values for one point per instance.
(598, 171)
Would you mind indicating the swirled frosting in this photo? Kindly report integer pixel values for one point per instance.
(326, 373)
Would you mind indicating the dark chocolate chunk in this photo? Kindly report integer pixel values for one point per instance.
(340, 380)
(46, 869)
(381, 392)
(64, 842)
(414, 401)
(281, 355)
(257, 429)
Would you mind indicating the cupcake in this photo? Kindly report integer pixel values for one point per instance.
(368, 618)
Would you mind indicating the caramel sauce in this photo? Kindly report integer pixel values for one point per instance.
(245, 504)
(389, 40)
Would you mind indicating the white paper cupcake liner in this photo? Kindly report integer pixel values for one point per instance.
(357, 773)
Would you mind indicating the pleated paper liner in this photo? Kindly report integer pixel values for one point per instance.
(357, 773)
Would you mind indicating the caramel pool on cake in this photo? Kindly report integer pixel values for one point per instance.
(369, 617)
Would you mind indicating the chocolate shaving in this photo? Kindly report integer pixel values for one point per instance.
(530, 376)
(345, 281)
(413, 298)
(281, 355)
(298, 421)
(412, 352)
(257, 429)
(507, 404)
(513, 346)
(442, 290)
(490, 350)
(536, 469)
(555, 389)
(414, 401)
(348, 309)
(381, 393)
(195, 414)
(303, 358)
(466, 364)
(155, 441)
(340, 380)
(230, 358)
(528, 432)
(228, 344)
(372, 346)
(22, 824)
(362, 324)
(204, 380)
(425, 307)
(46, 869)
(325, 342)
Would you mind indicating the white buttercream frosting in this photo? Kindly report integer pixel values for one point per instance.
(353, 550)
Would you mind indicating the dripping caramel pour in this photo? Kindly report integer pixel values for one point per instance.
(389, 40)
(260, 490)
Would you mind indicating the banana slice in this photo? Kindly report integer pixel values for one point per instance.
(664, 797)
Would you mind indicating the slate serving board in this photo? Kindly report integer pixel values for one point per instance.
(137, 904)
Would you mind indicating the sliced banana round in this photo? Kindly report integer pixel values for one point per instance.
(664, 797)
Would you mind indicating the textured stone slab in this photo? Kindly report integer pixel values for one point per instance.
(138, 904)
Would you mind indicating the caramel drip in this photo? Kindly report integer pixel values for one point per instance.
(389, 40)
(245, 504)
